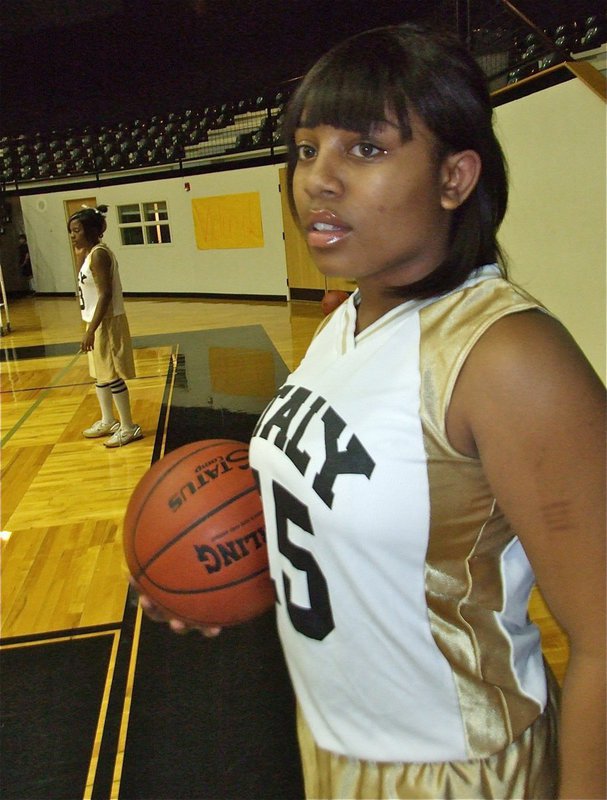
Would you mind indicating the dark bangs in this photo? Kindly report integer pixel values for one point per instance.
(353, 97)
(352, 87)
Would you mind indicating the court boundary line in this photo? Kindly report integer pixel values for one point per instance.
(44, 392)
(68, 385)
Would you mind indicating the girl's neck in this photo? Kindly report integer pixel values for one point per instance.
(90, 245)
(374, 305)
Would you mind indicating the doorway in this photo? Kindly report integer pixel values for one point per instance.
(71, 206)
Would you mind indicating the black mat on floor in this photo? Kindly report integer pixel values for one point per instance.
(211, 718)
(51, 696)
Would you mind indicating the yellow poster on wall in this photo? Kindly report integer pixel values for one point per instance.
(228, 221)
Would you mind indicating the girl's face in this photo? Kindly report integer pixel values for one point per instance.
(78, 235)
(372, 207)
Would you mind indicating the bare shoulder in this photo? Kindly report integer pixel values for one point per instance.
(101, 267)
(531, 408)
(101, 259)
(526, 367)
(530, 341)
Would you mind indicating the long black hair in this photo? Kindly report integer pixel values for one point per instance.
(403, 68)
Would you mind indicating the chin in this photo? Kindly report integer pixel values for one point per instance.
(333, 270)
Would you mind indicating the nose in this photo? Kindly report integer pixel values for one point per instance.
(323, 175)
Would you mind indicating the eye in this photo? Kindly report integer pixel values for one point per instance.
(305, 152)
(366, 150)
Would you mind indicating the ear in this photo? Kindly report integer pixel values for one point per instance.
(459, 175)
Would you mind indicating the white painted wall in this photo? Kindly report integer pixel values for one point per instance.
(554, 233)
(172, 268)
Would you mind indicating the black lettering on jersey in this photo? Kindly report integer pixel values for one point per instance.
(315, 622)
(354, 460)
(300, 457)
(284, 416)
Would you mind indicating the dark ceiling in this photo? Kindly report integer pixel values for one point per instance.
(141, 57)
(75, 62)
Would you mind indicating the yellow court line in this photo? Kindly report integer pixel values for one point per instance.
(39, 399)
(128, 693)
(90, 778)
(126, 710)
(70, 637)
(105, 697)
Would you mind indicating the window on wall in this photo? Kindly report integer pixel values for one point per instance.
(144, 223)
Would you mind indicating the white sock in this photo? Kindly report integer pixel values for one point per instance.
(120, 393)
(104, 396)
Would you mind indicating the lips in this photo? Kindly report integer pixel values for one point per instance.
(325, 229)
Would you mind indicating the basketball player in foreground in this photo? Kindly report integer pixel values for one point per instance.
(440, 446)
(107, 339)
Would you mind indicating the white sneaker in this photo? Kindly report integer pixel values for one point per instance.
(124, 436)
(101, 428)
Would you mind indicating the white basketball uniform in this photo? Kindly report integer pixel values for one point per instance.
(401, 590)
(87, 289)
(112, 355)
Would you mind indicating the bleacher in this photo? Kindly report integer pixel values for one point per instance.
(246, 128)
(510, 47)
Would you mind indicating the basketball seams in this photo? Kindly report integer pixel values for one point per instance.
(162, 477)
(168, 470)
(220, 588)
(195, 524)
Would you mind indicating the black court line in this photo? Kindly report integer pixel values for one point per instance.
(70, 385)
(43, 394)
(39, 351)
(33, 638)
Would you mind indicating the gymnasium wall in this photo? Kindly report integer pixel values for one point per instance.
(178, 267)
(554, 233)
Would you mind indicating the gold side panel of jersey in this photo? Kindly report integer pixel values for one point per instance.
(468, 534)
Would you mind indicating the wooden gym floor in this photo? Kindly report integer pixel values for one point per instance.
(63, 496)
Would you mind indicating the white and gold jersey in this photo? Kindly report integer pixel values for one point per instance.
(401, 589)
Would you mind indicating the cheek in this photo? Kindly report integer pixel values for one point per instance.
(418, 204)
(382, 199)
(298, 196)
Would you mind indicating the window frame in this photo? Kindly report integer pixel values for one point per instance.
(145, 208)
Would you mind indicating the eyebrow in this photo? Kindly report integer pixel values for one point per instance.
(376, 126)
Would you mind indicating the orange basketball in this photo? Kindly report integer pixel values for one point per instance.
(194, 536)
(332, 299)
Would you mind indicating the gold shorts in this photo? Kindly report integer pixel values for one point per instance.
(112, 355)
(527, 768)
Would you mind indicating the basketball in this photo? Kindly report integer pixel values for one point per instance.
(332, 299)
(194, 536)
